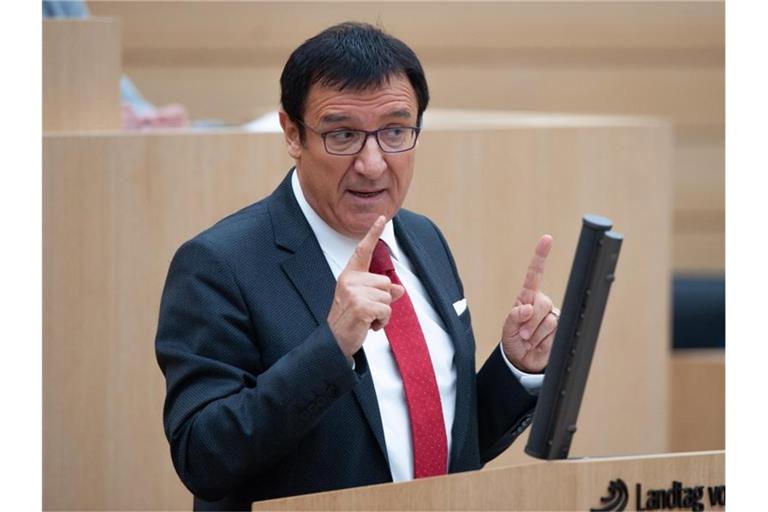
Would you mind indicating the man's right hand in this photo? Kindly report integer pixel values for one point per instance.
(362, 299)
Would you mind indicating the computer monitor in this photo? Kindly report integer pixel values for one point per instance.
(592, 273)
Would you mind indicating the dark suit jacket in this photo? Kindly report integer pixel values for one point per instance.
(261, 403)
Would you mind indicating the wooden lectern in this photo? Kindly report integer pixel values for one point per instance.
(684, 481)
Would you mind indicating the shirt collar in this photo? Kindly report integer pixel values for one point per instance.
(336, 246)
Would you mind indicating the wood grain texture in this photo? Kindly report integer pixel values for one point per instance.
(700, 252)
(81, 74)
(595, 24)
(505, 195)
(223, 60)
(658, 58)
(691, 96)
(697, 400)
(562, 485)
(116, 207)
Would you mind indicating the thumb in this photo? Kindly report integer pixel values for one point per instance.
(361, 258)
(396, 291)
(521, 314)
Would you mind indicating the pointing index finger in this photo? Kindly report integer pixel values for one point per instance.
(361, 258)
(535, 273)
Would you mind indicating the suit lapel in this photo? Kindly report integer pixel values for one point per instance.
(427, 272)
(310, 274)
(431, 277)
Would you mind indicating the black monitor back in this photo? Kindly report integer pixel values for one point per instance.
(554, 421)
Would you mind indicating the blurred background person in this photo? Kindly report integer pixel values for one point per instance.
(136, 112)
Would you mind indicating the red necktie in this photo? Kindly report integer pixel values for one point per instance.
(430, 446)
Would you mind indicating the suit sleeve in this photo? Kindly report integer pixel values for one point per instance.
(504, 406)
(227, 417)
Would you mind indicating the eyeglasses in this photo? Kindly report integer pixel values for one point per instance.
(395, 139)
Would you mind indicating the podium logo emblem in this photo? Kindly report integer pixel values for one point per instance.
(617, 497)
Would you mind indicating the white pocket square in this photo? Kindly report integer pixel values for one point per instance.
(460, 306)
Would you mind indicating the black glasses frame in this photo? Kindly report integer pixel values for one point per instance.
(375, 133)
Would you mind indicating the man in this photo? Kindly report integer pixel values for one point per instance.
(319, 339)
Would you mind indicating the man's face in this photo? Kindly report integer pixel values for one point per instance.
(350, 192)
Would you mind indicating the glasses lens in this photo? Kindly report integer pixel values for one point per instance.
(397, 139)
(344, 141)
(350, 142)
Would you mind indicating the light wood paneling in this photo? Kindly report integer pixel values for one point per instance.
(700, 252)
(697, 400)
(699, 188)
(596, 24)
(116, 206)
(699, 180)
(658, 58)
(236, 94)
(543, 179)
(223, 60)
(81, 74)
(562, 485)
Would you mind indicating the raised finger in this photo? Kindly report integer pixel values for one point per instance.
(535, 273)
(361, 258)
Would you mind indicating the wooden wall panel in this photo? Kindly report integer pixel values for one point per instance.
(226, 24)
(659, 58)
(699, 181)
(81, 74)
(685, 94)
(665, 59)
(697, 400)
(700, 252)
(699, 222)
(116, 206)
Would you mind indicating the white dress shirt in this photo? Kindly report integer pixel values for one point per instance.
(387, 382)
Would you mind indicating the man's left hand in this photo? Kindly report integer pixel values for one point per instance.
(530, 326)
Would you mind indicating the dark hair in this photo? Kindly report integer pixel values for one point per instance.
(349, 55)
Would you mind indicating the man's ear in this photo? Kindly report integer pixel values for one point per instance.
(291, 133)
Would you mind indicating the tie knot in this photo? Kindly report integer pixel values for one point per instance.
(381, 263)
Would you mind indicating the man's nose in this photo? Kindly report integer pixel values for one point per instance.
(370, 161)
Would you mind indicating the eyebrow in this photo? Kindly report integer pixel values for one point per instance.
(337, 118)
(402, 113)
(334, 118)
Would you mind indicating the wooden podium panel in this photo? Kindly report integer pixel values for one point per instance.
(503, 186)
(697, 400)
(563, 485)
(117, 205)
(81, 74)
